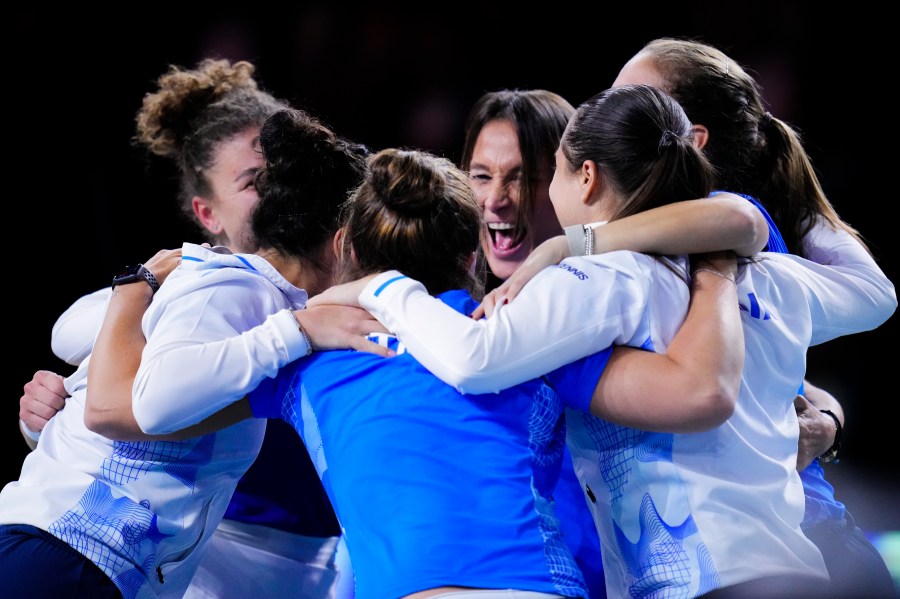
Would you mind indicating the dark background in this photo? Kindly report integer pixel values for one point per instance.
(83, 202)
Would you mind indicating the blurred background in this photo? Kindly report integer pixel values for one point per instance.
(84, 203)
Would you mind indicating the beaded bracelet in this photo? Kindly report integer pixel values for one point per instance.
(580, 239)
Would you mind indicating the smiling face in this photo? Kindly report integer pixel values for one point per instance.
(234, 195)
(496, 174)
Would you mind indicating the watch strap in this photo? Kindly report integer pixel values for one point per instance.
(833, 453)
(580, 239)
(135, 274)
(150, 278)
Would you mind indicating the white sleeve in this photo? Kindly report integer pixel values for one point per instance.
(864, 280)
(72, 338)
(203, 355)
(566, 312)
(838, 305)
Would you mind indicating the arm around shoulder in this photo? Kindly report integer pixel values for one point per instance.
(724, 222)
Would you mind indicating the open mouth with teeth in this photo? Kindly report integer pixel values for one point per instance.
(505, 238)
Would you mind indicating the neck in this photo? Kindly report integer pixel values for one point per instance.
(299, 272)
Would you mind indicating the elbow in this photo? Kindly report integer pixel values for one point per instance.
(112, 423)
(720, 410)
(98, 421)
(754, 228)
(712, 409)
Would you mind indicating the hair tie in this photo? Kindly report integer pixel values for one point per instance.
(726, 67)
(766, 121)
(668, 139)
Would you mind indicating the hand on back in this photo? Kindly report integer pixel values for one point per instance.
(341, 327)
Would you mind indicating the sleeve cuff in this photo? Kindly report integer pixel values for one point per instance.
(28, 432)
(386, 286)
(294, 341)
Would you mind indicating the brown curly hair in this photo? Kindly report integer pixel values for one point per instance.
(193, 111)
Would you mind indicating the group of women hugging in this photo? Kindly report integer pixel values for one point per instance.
(571, 366)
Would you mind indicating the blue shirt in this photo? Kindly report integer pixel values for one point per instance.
(432, 487)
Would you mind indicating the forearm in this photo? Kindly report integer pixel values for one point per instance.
(694, 385)
(725, 222)
(114, 363)
(526, 338)
(181, 384)
(841, 302)
(843, 252)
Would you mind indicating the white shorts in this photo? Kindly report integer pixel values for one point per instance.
(249, 560)
(495, 594)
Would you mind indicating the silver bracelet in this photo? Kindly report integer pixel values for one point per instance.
(717, 273)
(309, 346)
(580, 239)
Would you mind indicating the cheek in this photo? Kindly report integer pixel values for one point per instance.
(248, 203)
(554, 189)
(558, 199)
(480, 192)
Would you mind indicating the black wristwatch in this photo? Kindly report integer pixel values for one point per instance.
(834, 452)
(136, 274)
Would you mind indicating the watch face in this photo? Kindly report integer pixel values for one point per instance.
(131, 274)
(131, 271)
(136, 274)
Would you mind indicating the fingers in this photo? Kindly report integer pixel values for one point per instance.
(370, 325)
(51, 381)
(491, 302)
(163, 263)
(512, 290)
(44, 395)
(478, 313)
(801, 403)
(364, 345)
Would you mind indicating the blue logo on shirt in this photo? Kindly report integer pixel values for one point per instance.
(581, 276)
(754, 308)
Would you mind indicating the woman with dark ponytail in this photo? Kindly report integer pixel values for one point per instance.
(759, 154)
(693, 488)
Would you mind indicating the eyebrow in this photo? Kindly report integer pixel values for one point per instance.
(478, 165)
(247, 171)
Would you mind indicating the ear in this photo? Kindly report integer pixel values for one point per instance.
(701, 136)
(206, 215)
(337, 244)
(590, 181)
(340, 247)
(470, 262)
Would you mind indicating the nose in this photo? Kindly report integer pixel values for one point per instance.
(495, 197)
